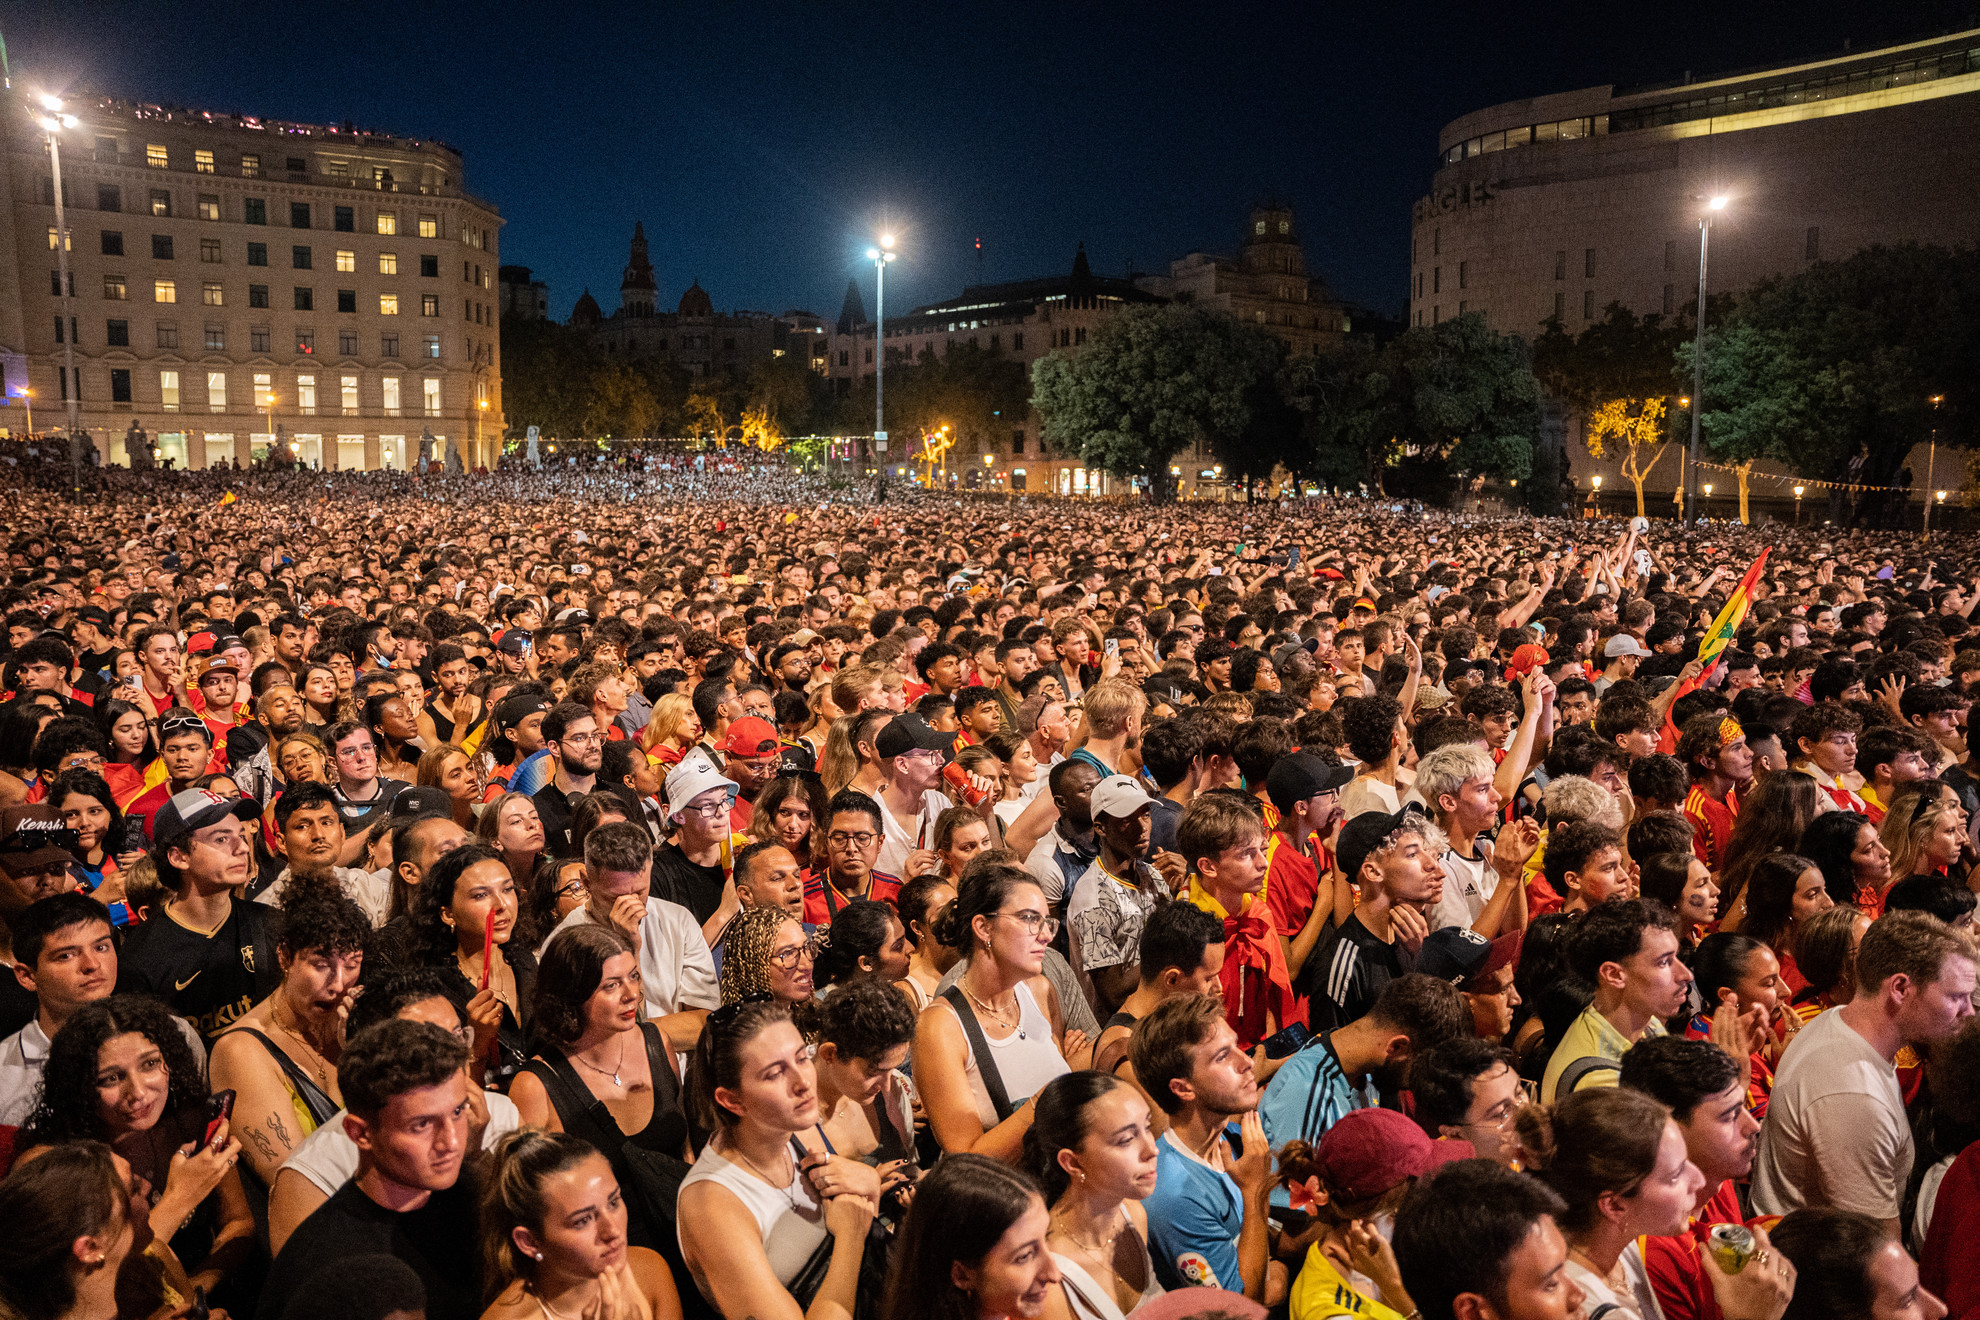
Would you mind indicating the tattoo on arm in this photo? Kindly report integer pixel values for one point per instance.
(276, 1126)
(261, 1143)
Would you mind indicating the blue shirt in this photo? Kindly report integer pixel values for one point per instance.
(1306, 1096)
(1194, 1216)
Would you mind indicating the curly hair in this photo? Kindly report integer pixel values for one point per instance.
(746, 959)
(321, 919)
(866, 1019)
(67, 1107)
(435, 939)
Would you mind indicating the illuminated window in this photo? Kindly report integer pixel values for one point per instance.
(429, 304)
(391, 396)
(431, 387)
(168, 390)
(161, 202)
(306, 395)
(164, 291)
(209, 206)
(154, 156)
(202, 162)
(429, 226)
(388, 222)
(388, 263)
(68, 242)
(264, 389)
(210, 294)
(250, 164)
(113, 288)
(346, 260)
(433, 346)
(216, 391)
(388, 304)
(349, 392)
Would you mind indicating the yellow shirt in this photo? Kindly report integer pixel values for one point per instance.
(1591, 1034)
(1321, 1292)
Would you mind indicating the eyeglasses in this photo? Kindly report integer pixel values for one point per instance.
(788, 959)
(707, 810)
(583, 739)
(1035, 923)
(862, 839)
(571, 889)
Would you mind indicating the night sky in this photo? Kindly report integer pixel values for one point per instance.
(765, 144)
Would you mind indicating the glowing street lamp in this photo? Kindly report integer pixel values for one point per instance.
(880, 256)
(26, 396)
(1797, 504)
(1712, 208)
(52, 123)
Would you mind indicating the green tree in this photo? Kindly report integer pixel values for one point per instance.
(1151, 382)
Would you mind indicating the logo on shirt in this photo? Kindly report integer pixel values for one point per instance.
(180, 985)
(1195, 1269)
(247, 956)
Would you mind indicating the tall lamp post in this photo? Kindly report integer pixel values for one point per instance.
(1713, 206)
(1932, 461)
(53, 122)
(26, 396)
(880, 256)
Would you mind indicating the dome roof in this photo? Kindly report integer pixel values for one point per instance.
(585, 312)
(695, 301)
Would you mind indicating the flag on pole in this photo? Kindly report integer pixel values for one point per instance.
(1716, 639)
(228, 498)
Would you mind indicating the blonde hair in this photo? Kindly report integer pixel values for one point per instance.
(669, 714)
(432, 761)
(1576, 797)
(1913, 818)
(1111, 704)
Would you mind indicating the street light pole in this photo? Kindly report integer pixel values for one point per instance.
(1698, 354)
(51, 124)
(26, 397)
(880, 256)
(1931, 462)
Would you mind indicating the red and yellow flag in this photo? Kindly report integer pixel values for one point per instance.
(228, 498)
(1716, 639)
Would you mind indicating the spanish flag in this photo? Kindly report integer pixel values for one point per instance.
(228, 498)
(1716, 639)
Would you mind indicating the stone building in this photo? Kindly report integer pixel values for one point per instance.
(1266, 283)
(520, 296)
(382, 327)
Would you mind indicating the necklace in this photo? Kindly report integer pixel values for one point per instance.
(321, 1065)
(1009, 1017)
(614, 1074)
(1099, 1250)
(788, 1186)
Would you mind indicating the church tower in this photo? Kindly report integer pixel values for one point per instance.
(637, 291)
(1272, 244)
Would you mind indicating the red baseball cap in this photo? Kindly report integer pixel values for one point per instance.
(1525, 659)
(748, 736)
(1368, 1151)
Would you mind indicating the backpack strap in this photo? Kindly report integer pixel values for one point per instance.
(986, 1067)
(1577, 1072)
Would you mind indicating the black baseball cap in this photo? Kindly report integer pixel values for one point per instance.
(1366, 833)
(907, 733)
(194, 809)
(1303, 775)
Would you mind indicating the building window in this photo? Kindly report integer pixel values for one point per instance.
(1670, 299)
(71, 330)
(300, 258)
(347, 342)
(388, 222)
(113, 287)
(64, 374)
(216, 391)
(391, 396)
(257, 295)
(257, 254)
(1437, 279)
(388, 345)
(210, 294)
(264, 389)
(168, 390)
(296, 164)
(154, 156)
(431, 388)
(68, 240)
(1017, 442)
(843, 355)
(1588, 304)
(388, 304)
(344, 219)
(388, 263)
(1814, 249)
(1436, 242)
(1017, 341)
(202, 162)
(164, 291)
(429, 304)
(306, 395)
(429, 267)
(161, 202)
(347, 300)
(120, 384)
(1588, 264)
(349, 391)
(161, 247)
(168, 334)
(113, 242)
(1464, 274)
(209, 206)
(346, 260)
(106, 151)
(250, 164)
(433, 347)
(254, 210)
(216, 338)
(1670, 254)
(259, 339)
(117, 334)
(209, 251)
(305, 298)
(109, 197)
(337, 169)
(429, 226)
(298, 215)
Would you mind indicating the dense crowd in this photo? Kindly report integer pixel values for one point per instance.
(616, 894)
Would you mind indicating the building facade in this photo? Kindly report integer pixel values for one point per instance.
(380, 330)
(520, 296)
(1554, 207)
(1266, 284)
(694, 336)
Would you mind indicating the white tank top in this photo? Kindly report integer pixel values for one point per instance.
(789, 1219)
(1026, 1059)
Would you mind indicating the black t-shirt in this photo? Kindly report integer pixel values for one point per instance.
(553, 808)
(208, 980)
(678, 880)
(359, 815)
(1347, 973)
(17, 1004)
(439, 1241)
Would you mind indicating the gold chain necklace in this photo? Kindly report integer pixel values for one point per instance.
(1005, 1016)
(1099, 1250)
(321, 1065)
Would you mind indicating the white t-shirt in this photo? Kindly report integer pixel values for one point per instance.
(329, 1158)
(370, 890)
(1106, 917)
(1365, 793)
(1835, 1133)
(676, 970)
(1469, 884)
(899, 838)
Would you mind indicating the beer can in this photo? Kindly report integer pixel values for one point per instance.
(959, 780)
(1732, 1245)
